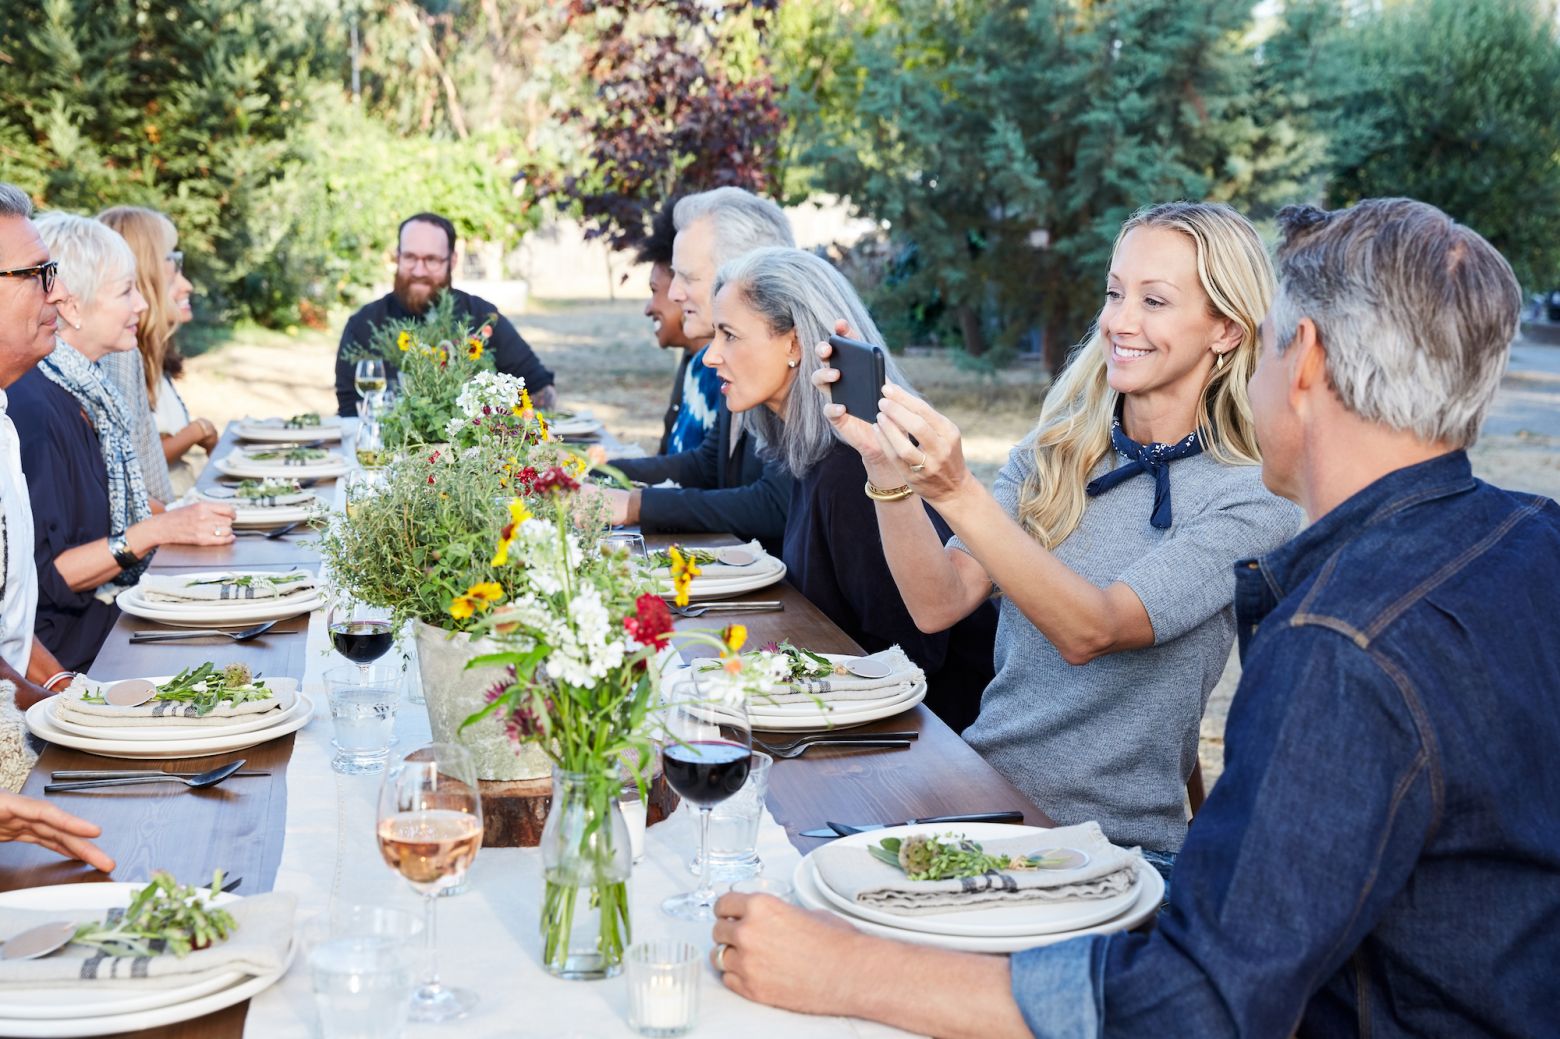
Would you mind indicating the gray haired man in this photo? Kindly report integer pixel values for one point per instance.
(722, 485)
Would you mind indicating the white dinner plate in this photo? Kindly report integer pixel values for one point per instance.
(1002, 922)
(235, 463)
(765, 572)
(286, 690)
(221, 613)
(841, 719)
(54, 1006)
(1150, 892)
(252, 430)
(582, 424)
(42, 725)
(272, 515)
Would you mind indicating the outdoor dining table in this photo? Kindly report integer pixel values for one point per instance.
(243, 825)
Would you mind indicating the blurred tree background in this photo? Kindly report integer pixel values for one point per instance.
(996, 144)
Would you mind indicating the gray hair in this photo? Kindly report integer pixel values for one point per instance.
(743, 221)
(796, 291)
(14, 201)
(1415, 311)
(88, 251)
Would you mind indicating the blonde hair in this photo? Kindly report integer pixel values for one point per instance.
(152, 237)
(1073, 433)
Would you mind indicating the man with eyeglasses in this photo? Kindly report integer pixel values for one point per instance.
(425, 259)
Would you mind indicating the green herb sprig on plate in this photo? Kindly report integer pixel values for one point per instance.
(700, 556)
(304, 420)
(949, 856)
(206, 687)
(254, 489)
(163, 911)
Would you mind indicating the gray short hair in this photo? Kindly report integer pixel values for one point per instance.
(1415, 312)
(14, 201)
(796, 291)
(89, 253)
(743, 221)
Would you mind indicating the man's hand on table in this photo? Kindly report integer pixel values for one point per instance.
(622, 506)
(772, 952)
(39, 822)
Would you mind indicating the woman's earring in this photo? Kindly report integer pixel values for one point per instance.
(1218, 363)
(791, 364)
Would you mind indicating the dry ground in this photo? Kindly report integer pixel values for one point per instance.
(606, 360)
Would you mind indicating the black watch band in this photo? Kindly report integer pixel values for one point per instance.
(119, 545)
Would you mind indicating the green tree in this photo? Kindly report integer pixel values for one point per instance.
(191, 108)
(1456, 104)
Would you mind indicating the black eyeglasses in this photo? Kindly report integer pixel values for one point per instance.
(44, 272)
(177, 259)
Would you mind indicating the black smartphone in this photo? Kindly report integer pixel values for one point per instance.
(862, 374)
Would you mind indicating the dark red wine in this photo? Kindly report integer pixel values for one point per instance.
(706, 772)
(361, 641)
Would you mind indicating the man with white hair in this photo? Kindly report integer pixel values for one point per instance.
(1382, 854)
(722, 485)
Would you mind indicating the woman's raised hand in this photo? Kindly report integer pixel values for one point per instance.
(883, 469)
(203, 523)
(934, 464)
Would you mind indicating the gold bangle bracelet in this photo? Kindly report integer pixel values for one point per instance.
(897, 494)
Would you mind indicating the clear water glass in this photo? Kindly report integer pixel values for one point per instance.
(362, 710)
(363, 965)
(663, 987)
(734, 827)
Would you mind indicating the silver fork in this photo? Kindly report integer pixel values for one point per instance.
(279, 532)
(798, 749)
(833, 737)
(205, 633)
(699, 609)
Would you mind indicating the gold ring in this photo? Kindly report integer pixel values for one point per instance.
(917, 467)
(720, 956)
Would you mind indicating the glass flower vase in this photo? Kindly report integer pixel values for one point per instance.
(586, 861)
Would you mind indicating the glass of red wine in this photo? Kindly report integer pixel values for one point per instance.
(706, 754)
(360, 632)
(430, 830)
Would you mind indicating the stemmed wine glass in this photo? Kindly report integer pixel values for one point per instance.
(706, 755)
(369, 443)
(368, 378)
(430, 829)
(360, 632)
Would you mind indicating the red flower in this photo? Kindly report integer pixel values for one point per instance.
(555, 481)
(652, 621)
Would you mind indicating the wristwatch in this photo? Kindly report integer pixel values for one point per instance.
(119, 547)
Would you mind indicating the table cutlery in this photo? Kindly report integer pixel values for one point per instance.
(699, 609)
(803, 747)
(232, 885)
(271, 535)
(38, 942)
(206, 633)
(72, 774)
(832, 737)
(846, 829)
(205, 779)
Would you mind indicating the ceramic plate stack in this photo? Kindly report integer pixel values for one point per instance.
(573, 424)
(1000, 930)
(262, 460)
(249, 514)
(721, 580)
(188, 739)
(221, 613)
(88, 1009)
(826, 712)
(276, 430)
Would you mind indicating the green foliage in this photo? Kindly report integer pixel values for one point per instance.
(1456, 104)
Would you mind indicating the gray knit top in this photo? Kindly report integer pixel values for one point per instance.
(1115, 739)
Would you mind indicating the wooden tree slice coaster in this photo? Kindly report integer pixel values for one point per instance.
(514, 811)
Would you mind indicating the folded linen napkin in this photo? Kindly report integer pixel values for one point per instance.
(851, 871)
(257, 946)
(844, 686)
(69, 706)
(264, 501)
(306, 420)
(225, 587)
(762, 563)
(287, 457)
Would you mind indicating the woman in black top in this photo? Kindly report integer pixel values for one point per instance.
(93, 526)
(767, 304)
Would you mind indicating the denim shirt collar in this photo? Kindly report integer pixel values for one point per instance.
(1261, 583)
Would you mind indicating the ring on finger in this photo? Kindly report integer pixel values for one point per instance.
(720, 956)
(921, 465)
(217, 531)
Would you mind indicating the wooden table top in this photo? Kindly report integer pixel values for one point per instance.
(241, 825)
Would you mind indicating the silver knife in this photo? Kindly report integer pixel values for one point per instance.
(129, 773)
(846, 829)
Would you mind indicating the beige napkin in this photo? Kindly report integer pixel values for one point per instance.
(258, 946)
(277, 456)
(69, 706)
(276, 422)
(263, 585)
(846, 687)
(269, 501)
(762, 563)
(851, 871)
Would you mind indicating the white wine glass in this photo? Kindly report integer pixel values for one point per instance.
(368, 378)
(369, 444)
(430, 829)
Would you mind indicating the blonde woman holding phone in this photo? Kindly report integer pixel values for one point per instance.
(1115, 593)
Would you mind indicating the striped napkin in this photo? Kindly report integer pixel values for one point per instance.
(70, 707)
(843, 686)
(157, 588)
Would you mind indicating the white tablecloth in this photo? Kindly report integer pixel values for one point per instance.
(487, 938)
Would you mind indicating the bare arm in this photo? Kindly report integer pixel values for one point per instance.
(815, 963)
(206, 523)
(200, 431)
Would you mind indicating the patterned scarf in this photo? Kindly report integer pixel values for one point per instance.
(106, 408)
(1153, 459)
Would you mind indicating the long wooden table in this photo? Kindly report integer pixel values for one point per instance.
(241, 825)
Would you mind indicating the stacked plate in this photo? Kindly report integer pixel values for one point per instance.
(277, 431)
(249, 514)
(1000, 930)
(259, 462)
(826, 712)
(96, 1009)
(734, 570)
(187, 739)
(573, 424)
(220, 613)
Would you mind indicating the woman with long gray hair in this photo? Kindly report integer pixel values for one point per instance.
(770, 305)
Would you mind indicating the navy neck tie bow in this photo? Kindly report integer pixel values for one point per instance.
(1153, 459)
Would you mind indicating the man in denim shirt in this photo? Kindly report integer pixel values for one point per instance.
(1382, 854)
